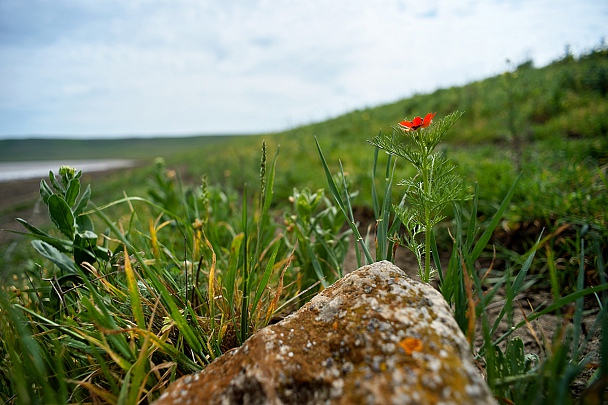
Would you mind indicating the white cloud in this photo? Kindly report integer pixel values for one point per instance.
(153, 67)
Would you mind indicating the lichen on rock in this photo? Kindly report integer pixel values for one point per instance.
(374, 337)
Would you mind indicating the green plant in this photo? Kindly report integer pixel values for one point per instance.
(53, 347)
(66, 205)
(316, 225)
(431, 190)
(165, 293)
(514, 375)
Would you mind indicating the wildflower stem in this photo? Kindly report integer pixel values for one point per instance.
(427, 225)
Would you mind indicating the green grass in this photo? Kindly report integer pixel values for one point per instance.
(192, 254)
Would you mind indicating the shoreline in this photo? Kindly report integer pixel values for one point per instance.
(28, 170)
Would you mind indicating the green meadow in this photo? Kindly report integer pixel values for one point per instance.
(186, 256)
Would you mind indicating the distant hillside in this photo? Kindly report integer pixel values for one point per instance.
(134, 148)
(550, 121)
(566, 100)
(567, 97)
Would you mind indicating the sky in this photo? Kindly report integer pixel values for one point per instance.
(114, 68)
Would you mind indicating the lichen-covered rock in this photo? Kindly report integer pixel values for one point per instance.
(374, 337)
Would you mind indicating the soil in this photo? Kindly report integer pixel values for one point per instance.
(18, 199)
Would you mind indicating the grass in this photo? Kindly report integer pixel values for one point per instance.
(128, 295)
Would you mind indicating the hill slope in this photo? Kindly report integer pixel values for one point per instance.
(551, 123)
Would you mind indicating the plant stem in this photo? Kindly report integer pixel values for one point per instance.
(427, 223)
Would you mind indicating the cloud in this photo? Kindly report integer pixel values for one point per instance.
(173, 67)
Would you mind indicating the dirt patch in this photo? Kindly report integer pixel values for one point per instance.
(18, 200)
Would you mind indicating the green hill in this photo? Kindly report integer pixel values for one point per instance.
(549, 123)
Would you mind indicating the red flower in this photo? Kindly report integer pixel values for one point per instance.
(417, 122)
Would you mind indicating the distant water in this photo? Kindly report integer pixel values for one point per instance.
(40, 169)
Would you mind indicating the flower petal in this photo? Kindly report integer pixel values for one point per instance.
(428, 119)
(406, 125)
(417, 121)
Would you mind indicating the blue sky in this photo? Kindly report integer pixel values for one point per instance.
(108, 68)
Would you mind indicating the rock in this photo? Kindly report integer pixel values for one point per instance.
(374, 337)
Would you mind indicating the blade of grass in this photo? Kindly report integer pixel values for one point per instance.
(436, 259)
(211, 282)
(473, 219)
(604, 305)
(230, 277)
(338, 198)
(168, 299)
(552, 272)
(375, 200)
(555, 305)
(316, 266)
(517, 284)
(487, 234)
(578, 306)
(133, 292)
(266, 276)
(245, 298)
(351, 215)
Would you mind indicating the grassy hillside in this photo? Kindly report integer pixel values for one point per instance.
(186, 271)
(549, 123)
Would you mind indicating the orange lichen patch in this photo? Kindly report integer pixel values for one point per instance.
(411, 345)
(335, 325)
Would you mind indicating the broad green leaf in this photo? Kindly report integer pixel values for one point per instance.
(61, 244)
(72, 192)
(516, 356)
(55, 183)
(61, 215)
(62, 261)
(45, 191)
(82, 203)
(32, 228)
(87, 235)
(84, 223)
